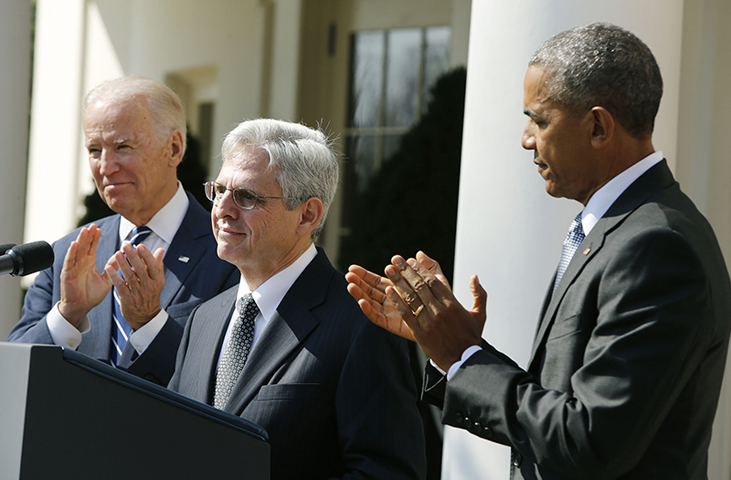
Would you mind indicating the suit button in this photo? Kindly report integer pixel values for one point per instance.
(467, 421)
(517, 459)
(486, 431)
(459, 418)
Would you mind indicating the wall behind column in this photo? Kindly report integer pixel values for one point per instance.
(509, 230)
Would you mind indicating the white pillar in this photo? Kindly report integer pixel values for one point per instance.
(509, 230)
(15, 57)
(284, 78)
(55, 129)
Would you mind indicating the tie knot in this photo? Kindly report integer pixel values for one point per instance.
(576, 231)
(139, 234)
(247, 306)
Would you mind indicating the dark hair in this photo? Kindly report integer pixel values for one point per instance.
(603, 65)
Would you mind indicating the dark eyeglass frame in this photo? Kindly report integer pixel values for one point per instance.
(215, 190)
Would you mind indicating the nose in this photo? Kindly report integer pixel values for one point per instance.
(224, 205)
(108, 163)
(529, 140)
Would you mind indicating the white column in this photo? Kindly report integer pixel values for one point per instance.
(15, 57)
(284, 78)
(509, 230)
(55, 129)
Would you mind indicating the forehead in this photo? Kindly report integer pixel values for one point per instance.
(126, 118)
(247, 166)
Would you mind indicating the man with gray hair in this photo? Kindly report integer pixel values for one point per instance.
(135, 136)
(288, 348)
(629, 354)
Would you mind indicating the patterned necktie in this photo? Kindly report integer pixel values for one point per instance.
(121, 329)
(570, 245)
(239, 346)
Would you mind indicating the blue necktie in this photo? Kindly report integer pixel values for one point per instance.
(570, 245)
(121, 329)
(239, 346)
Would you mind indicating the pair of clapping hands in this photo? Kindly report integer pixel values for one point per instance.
(83, 287)
(415, 301)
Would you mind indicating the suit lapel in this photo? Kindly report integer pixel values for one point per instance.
(185, 251)
(290, 325)
(655, 179)
(215, 323)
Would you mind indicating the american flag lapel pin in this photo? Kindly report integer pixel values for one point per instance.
(183, 259)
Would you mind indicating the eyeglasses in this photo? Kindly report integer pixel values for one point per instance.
(243, 198)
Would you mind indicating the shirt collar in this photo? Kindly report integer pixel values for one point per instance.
(165, 222)
(270, 293)
(600, 202)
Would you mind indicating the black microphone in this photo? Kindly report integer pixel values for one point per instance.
(28, 258)
(5, 247)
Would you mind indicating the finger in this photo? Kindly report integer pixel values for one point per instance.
(479, 294)
(404, 310)
(118, 282)
(122, 263)
(433, 266)
(410, 285)
(145, 263)
(365, 288)
(69, 260)
(372, 279)
(438, 285)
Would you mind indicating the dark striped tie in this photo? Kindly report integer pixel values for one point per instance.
(121, 329)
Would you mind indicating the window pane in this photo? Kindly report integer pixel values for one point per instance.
(391, 144)
(436, 57)
(361, 154)
(366, 73)
(402, 77)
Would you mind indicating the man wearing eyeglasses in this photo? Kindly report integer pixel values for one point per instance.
(102, 296)
(288, 348)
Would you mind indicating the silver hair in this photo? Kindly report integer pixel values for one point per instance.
(301, 158)
(167, 110)
(603, 65)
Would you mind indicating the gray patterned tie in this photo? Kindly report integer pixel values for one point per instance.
(239, 346)
(570, 245)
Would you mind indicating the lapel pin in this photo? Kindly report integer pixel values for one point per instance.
(183, 259)
(586, 252)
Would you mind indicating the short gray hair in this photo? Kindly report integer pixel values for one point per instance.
(603, 65)
(301, 158)
(167, 110)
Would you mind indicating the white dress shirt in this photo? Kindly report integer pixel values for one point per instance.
(595, 209)
(164, 225)
(269, 295)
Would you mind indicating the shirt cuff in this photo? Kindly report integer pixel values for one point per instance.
(465, 356)
(143, 336)
(62, 332)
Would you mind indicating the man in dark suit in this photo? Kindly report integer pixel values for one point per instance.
(288, 348)
(135, 135)
(628, 358)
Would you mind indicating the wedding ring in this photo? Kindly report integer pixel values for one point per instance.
(416, 312)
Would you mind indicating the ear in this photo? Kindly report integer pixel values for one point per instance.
(602, 127)
(312, 211)
(176, 149)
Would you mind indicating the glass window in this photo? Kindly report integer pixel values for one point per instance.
(391, 74)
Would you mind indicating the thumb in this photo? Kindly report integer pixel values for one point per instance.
(479, 306)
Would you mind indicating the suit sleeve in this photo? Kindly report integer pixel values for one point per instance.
(653, 317)
(378, 362)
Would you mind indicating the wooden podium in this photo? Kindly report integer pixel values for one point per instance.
(65, 415)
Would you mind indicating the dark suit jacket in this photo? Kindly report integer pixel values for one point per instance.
(333, 391)
(628, 359)
(187, 284)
